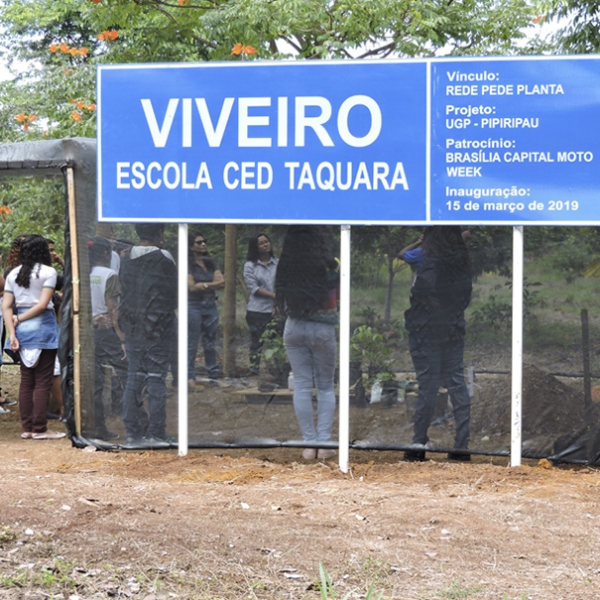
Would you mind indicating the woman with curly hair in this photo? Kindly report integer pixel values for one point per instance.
(31, 323)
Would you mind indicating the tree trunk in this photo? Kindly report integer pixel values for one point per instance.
(229, 366)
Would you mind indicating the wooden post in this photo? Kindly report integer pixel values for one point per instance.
(585, 347)
(76, 300)
(229, 366)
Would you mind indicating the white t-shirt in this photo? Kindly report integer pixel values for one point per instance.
(42, 276)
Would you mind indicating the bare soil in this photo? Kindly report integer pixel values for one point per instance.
(256, 524)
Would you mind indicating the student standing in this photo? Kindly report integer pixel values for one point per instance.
(31, 324)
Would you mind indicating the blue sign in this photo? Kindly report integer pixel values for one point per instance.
(263, 142)
(516, 140)
(498, 140)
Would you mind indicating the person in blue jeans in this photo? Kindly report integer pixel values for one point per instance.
(435, 323)
(148, 278)
(204, 279)
(306, 291)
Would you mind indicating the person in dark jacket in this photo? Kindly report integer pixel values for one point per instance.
(148, 277)
(435, 322)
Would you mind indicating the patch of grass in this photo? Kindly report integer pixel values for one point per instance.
(328, 593)
(7, 535)
(455, 591)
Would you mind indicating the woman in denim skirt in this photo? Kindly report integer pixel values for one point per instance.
(33, 331)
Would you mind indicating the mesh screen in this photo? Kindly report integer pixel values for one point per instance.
(239, 393)
(242, 352)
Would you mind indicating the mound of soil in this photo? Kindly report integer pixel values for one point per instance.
(549, 405)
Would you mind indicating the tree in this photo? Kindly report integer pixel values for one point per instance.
(61, 41)
(578, 23)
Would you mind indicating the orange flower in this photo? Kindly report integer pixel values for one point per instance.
(26, 126)
(241, 49)
(91, 106)
(76, 116)
(21, 118)
(80, 104)
(183, 2)
(5, 210)
(73, 52)
(96, 1)
(83, 51)
(32, 118)
(64, 48)
(53, 48)
(107, 35)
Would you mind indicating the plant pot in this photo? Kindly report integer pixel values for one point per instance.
(389, 395)
(359, 398)
(355, 371)
(280, 375)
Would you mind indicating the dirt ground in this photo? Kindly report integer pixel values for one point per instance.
(256, 524)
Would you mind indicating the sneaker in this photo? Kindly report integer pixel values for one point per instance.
(325, 453)
(26, 435)
(48, 435)
(4, 411)
(135, 442)
(163, 439)
(461, 456)
(414, 455)
(105, 434)
(8, 402)
(309, 453)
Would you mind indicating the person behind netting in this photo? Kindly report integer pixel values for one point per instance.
(33, 331)
(435, 323)
(306, 291)
(109, 340)
(122, 247)
(204, 279)
(148, 277)
(12, 261)
(4, 402)
(259, 275)
(413, 253)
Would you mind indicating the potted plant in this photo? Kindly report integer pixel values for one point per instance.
(369, 346)
(274, 356)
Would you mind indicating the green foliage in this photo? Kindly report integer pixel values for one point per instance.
(371, 349)
(577, 31)
(274, 354)
(369, 315)
(36, 206)
(497, 314)
(186, 31)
